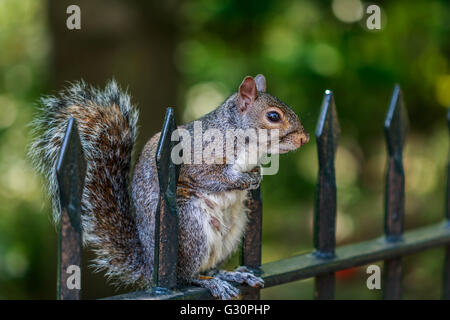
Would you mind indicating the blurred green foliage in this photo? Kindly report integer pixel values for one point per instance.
(303, 48)
(26, 236)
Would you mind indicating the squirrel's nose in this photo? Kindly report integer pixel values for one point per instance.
(299, 138)
(304, 137)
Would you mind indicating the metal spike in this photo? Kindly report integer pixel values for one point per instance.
(395, 127)
(166, 237)
(327, 136)
(328, 129)
(71, 173)
(396, 123)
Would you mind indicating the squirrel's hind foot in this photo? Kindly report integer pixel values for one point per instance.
(219, 288)
(241, 275)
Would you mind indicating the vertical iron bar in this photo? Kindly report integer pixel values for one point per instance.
(70, 172)
(251, 245)
(446, 289)
(395, 128)
(166, 226)
(327, 135)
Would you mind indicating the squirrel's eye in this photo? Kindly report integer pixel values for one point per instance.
(273, 116)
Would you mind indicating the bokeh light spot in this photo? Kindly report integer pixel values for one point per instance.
(324, 59)
(8, 112)
(15, 263)
(347, 10)
(203, 98)
(443, 90)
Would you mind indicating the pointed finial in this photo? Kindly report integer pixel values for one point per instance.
(71, 172)
(328, 128)
(163, 152)
(396, 123)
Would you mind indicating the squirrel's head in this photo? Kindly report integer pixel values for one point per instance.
(259, 109)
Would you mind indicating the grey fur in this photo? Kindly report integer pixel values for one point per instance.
(124, 242)
(103, 152)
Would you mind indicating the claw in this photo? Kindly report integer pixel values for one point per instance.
(242, 275)
(244, 269)
(218, 282)
(219, 288)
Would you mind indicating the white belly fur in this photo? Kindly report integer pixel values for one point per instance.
(227, 210)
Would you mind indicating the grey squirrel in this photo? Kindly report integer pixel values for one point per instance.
(119, 225)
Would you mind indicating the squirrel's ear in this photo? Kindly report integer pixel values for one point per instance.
(247, 93)
(260, 83)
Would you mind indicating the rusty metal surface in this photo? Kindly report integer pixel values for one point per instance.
(395, 127)
(392, 279)
(166, 226)
(71, 172)
(324, 286)
(252, 242)
(251, 246)
(327, 135)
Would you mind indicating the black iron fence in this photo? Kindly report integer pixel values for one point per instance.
(322, 263)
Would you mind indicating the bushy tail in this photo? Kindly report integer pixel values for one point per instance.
(107, 126)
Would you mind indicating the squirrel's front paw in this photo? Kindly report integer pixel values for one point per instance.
(219, 288)
(254, 178)
(242, 275)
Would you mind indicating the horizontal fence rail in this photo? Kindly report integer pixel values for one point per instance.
(308, 265)
(322, 263)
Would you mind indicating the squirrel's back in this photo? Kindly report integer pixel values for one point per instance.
(106, 123)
